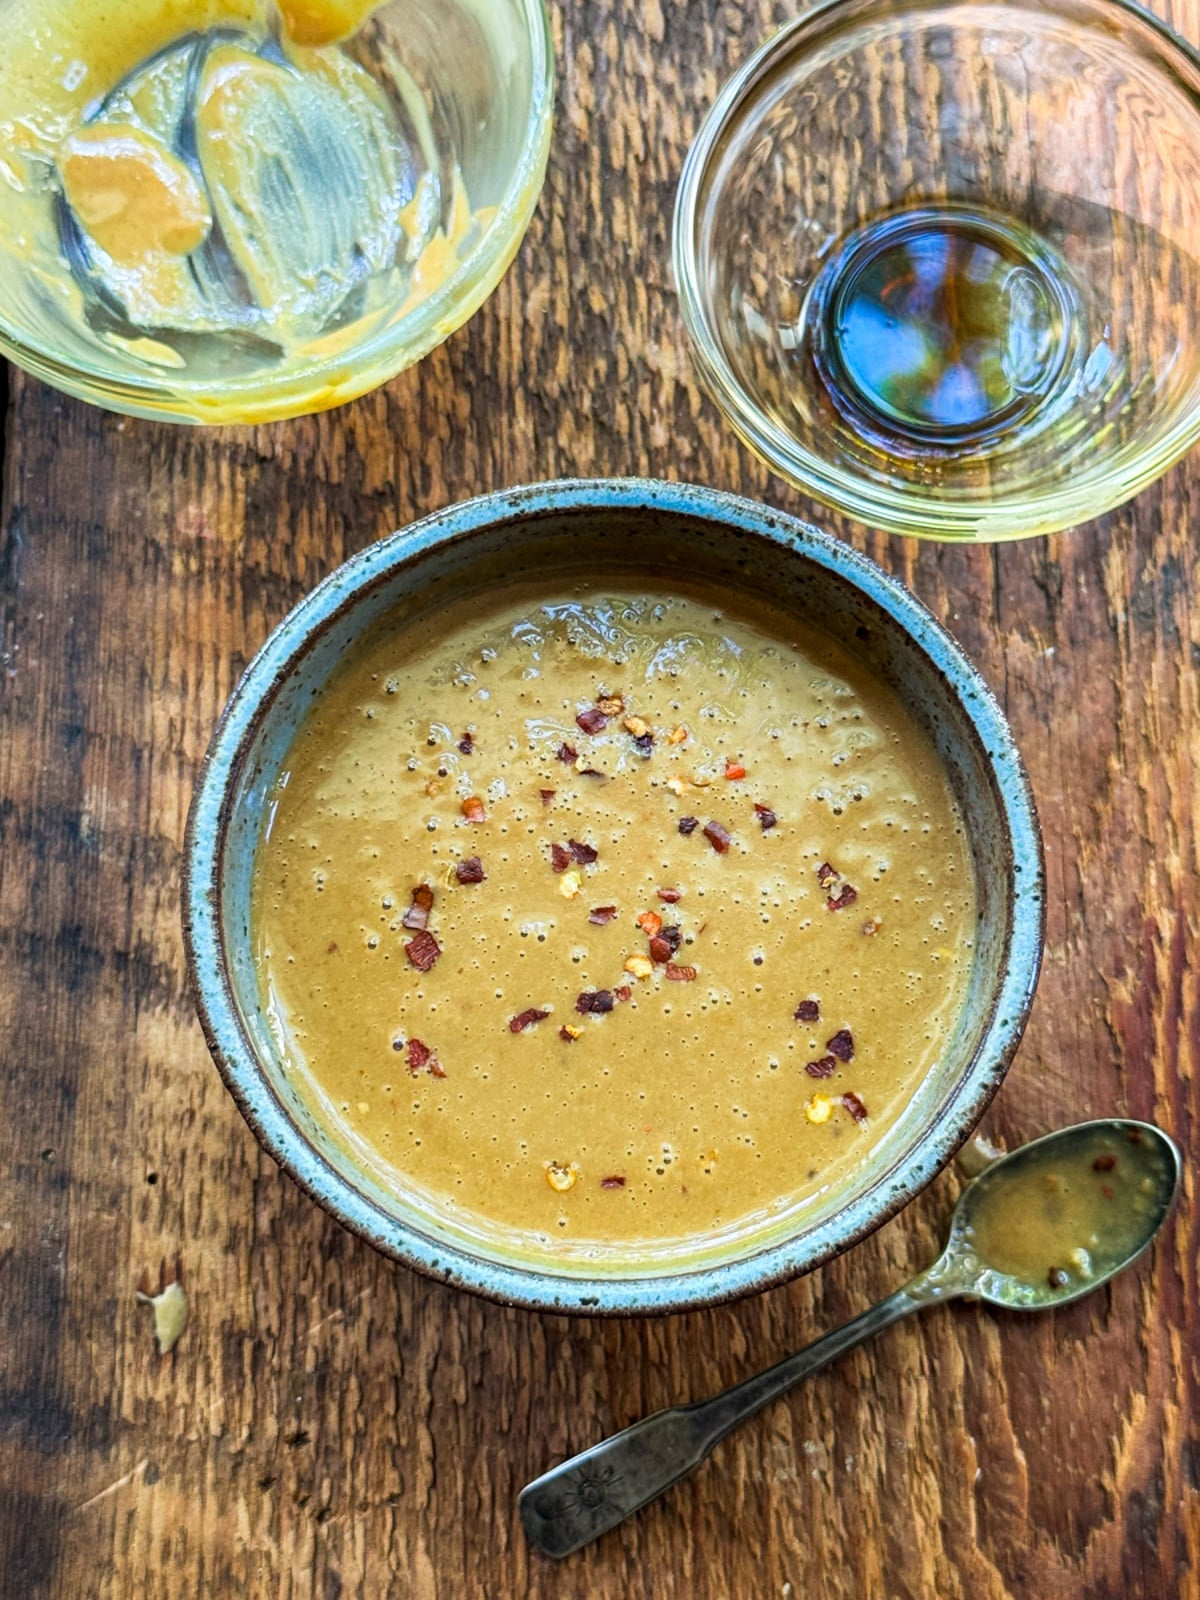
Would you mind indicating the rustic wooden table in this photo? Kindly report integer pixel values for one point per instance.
(331, 1425)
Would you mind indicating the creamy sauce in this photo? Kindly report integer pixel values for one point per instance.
(834, 930)
(1063, 1216)
(226, 170)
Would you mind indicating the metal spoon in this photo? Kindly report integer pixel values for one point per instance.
(1038, 1228)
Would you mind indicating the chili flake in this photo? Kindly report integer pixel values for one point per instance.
(688, 824)
(568, 753)
(825, 1067)
(593, 720)
(826, 874)
(808, 1011)
(734, 771)
(660, 950)
(417, 915)
(584, 853)
(649, 922)
(644, 744)
(819, 1108)
(470, 870)
(841, 1045)
(561, 1176)
(766, 817)
(854, 1106)
(560, 857)
(526, 1019)
(678, 735)
(671, 896)
(594, 1002)
(846, 896)
(419, 1056)
(423, 950)
(473, 810)
(613, 1182)
(611, 705)
(636, 727)
(639, 966)
(568, 1033)
(673, 936)
(467, 744)
(547, 795)
(717, 837)
(602, 914)
(1104, 1163)
(623, 992)
(680, 974)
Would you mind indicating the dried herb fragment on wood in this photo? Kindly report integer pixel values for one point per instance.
(671, 896)
(854, 1106)
(688, 824)
(423, 950)
(473, 809)
(717, 837)
(808, 1011)
(595, 1002)
(470, 870)
(766, 817)
(593, 720)
(467, 744)
(613, 1182)
(825, 1067)
(417, 915)
(584, 853)
(846, 896)
(841, 1045)
(568, 753)
(560, 857)
(602, 914)
(680, 974)
(526, 1019)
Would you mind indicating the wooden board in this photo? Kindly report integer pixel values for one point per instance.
(331, 1426)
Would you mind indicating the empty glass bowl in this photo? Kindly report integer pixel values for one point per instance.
(240, 210)
(940, 261)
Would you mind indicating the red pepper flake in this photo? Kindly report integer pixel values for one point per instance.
(846, 896)
(673, 936)
(467, 744)
(688, 825)
(526, 1019)
(612, 705)
(417, 915)
(824, 1068)
(602, 914)
(560, 857)
(422, 950)
(421, 1056)
(472, 809)
(1107, 1191)
(766, 817)
(568, 1035)
(613, 1182)
(854, 1106)
(734, 771)
(808, 1011)
(592, 772)
(593, 720)
(584, 853)
(660, 950)
(1104, 1163)
(470, 870)
(841, 1045)
(717, 837)
(547, 795)
(567, 753)
(671, 896)
(680, 974)
(826, 874)
(624, 992)
(650, 923)
(595, 1002)
(332, 948)
(644, 743)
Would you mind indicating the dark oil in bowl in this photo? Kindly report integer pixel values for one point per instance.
(944, 329)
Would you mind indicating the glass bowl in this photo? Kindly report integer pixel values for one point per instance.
(940, 261)
(363, 175)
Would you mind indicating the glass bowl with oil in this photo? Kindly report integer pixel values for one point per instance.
(243, 210)
(939, 260)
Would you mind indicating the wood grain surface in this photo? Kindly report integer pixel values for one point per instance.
(332, 1426)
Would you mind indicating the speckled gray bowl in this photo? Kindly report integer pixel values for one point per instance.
(661, 530)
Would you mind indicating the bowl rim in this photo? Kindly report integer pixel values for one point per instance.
(877, 505)
(416, 333)
(525, 1285)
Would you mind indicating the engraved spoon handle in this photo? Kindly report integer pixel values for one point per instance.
(584, 1497)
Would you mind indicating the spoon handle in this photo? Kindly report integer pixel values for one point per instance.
(584, 1497)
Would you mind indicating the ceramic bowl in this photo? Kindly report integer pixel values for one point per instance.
(664, 530)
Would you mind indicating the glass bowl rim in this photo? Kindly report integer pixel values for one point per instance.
(412, 336)
(911, 510)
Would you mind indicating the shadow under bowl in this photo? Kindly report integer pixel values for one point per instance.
(675, 536)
